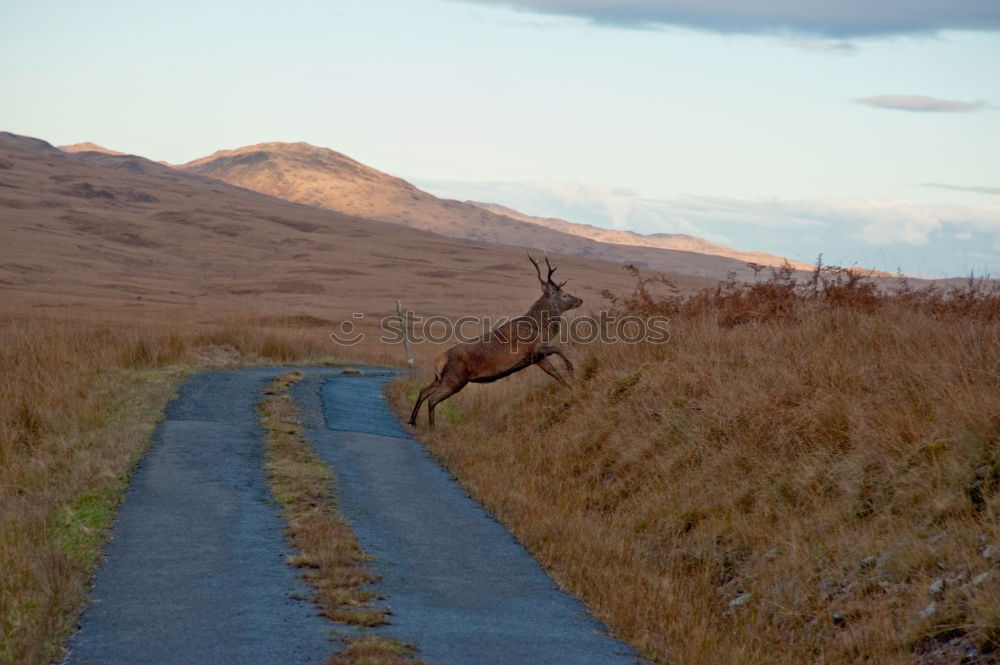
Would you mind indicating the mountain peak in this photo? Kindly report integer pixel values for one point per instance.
(299, 157)
(280, 148)
(87, 146)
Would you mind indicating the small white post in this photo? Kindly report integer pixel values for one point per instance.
(406, 333)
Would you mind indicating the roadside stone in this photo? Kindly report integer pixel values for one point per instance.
(936, 588)
(928, 611)
(950, 649)
(982, 577)
(990, 552)
(740, 600)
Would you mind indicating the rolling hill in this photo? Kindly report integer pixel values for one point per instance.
(324, 178)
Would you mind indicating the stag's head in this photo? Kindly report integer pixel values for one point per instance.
(559, 299)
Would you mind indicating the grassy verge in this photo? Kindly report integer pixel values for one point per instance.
(78, 403)
(61, 503)
(804, 473)
(328, 552)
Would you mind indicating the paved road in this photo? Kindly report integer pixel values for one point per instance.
(459, 585)
(195, 570)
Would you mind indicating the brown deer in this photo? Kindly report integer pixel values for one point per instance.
(507, 348)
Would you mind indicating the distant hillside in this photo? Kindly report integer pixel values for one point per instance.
(97, 234)
(324, 178)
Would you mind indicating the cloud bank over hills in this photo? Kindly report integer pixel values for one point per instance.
(887, 233)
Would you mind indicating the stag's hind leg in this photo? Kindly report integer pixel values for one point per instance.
(441, 393)
(424, 393)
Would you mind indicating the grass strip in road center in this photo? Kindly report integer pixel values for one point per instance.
(327, 550)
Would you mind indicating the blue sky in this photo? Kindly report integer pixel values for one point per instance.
(866, 131)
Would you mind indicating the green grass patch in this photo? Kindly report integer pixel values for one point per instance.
(623, 385)
(376, 650)
(82, 524)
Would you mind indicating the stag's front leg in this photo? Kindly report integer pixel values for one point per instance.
(553, 351)
(551, 370)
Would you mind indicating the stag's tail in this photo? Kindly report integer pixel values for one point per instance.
(439, 364)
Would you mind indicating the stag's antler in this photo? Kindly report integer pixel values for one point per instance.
(538, 268)
(548, 278)
(551, 270)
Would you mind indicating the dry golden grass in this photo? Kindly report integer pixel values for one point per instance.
(77, 407)
(804, 473)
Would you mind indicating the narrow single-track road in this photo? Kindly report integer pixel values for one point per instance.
(195, 572)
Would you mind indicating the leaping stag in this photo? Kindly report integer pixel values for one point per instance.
(507, 348)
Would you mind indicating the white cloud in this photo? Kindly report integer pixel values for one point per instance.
(882, 232)
(873, 220)
(885, 220)
(602, 205)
